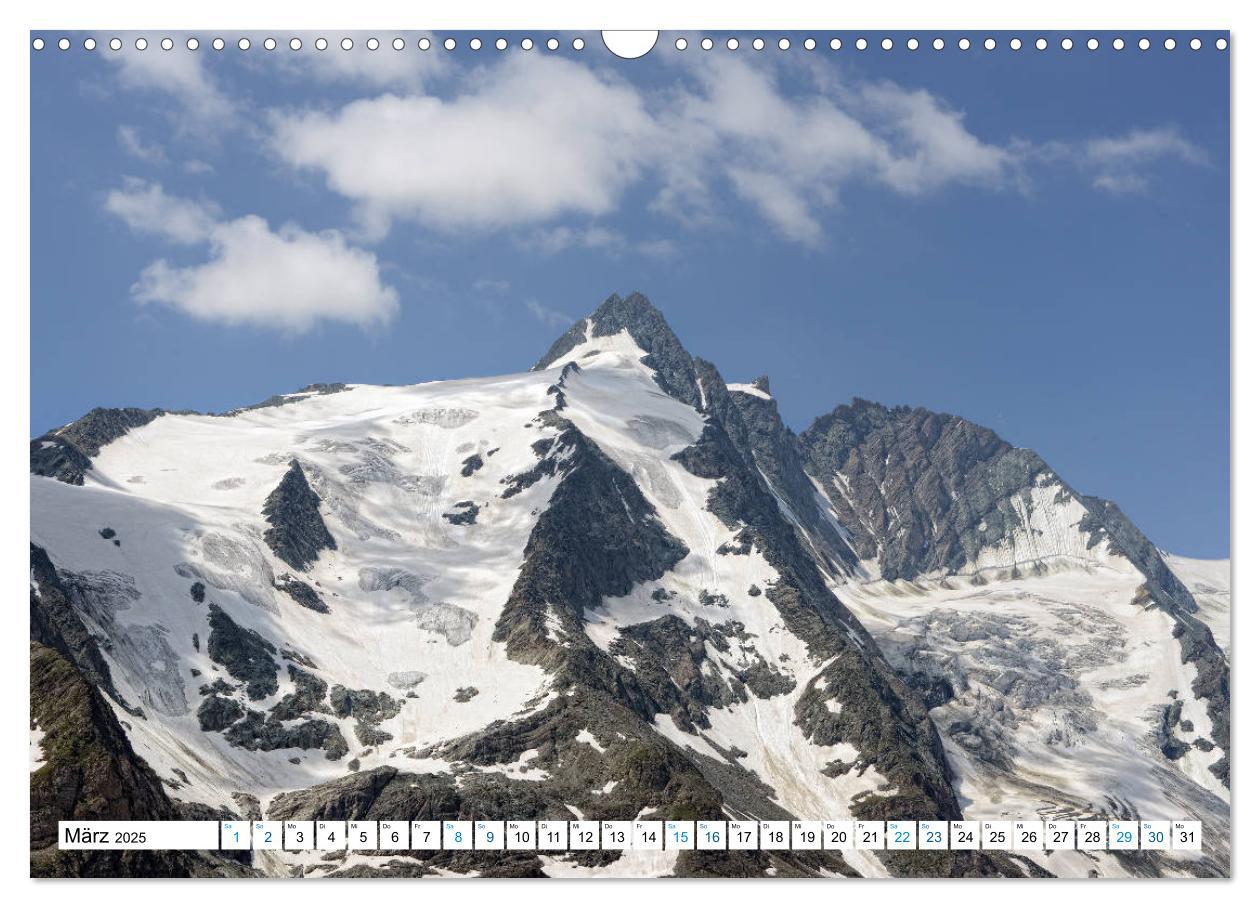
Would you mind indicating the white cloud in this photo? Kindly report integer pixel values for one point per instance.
(146, 208)
(539, 140)
(533, 140)
(179, 73)
(131, 141)
(288, 278)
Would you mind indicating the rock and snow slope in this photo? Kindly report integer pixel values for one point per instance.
(616, 586)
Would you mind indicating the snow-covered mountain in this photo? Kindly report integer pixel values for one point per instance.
(614, 586)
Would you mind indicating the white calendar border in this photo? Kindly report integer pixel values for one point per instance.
(663, 14)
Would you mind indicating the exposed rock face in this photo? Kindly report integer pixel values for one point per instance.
(368, 708)
(245, 654)
(776, 453)
(216, 713)
(260, 732)
(918, 491)
(56, 625)
(465, 513)
(598, 537)
(302, 593)
(66, 453)
(297, 534)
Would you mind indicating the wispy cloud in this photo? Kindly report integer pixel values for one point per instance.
(552, 318)
(131, 141)
(1122, 164)
(492, 286)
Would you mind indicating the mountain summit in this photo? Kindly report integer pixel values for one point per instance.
(615, 586)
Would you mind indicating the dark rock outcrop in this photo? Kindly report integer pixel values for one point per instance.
(66, 453)
(297, 533)
(56, 624)
(302, 593)
(244, 653)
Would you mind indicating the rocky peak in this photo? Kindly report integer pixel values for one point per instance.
(675, 370)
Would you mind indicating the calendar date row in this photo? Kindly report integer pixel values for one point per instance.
(596, 835)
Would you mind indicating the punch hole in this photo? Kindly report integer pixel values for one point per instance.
(631, 45)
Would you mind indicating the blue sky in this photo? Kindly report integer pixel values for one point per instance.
(1037, 241)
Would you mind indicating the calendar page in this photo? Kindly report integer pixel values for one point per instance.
(551, 454)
